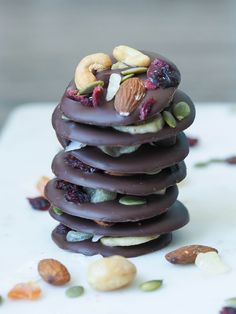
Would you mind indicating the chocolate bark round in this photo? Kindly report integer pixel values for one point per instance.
(92, 248)
(147, 158)
(96, 136)
(141, 184)
(112, 211)
(176, 217)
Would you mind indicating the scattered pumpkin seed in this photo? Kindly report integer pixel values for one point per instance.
(151, 285)
(169, 119)
(76, 236)
(181, 110)
(57, 211)
(119, 65)
(74, 292)
(231, 302)
(126, 77)
(137, 70)
(89, 88)
(132, 200)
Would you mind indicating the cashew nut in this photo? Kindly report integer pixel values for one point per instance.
(131, 56)
(84, 71)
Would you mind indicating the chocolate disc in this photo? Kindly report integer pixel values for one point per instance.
(175, 218)
(92, 248)
(112, 211)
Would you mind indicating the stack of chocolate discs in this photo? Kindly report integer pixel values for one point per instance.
(121, 123)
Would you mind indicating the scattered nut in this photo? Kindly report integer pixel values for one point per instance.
(53, 272)
(187, 254)
(41, 184)
(131, 56)
(111, 273)
(210, 263)
(129, 95)
(22, 291)
(84, 71)
(75, 291)
(151, 285)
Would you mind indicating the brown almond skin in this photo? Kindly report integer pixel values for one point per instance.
(187, 254)
(129, 95)
(53, 272)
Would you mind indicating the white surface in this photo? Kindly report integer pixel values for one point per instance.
(27, 147)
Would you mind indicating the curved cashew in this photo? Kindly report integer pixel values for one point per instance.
(84, 70)
(131, 56)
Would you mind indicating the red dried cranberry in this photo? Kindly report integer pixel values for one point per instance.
(163, 74)
(145, 108)
(77, 164)
(74, 193)
(83, 99)
(39, 203)
(149, 85)
(192, 141)
(228, 310)
(97, 96)
(62, 229)
(231, 160)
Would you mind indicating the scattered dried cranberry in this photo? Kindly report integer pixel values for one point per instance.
(145, 108)
(62, 229)
(74, 193)
(39, 203)
(97, 96)
(149, 84)
(83, 99)
(77, 164)
(163, 74)
(192, 141)
(231, 160)
(228, 310)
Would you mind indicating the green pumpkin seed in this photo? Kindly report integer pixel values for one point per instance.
(57, 211)
(181, 110)
(118, 66)
(74, 292)
(151, 285)
(126, 77)
(231, 302)
(132, 200)
(76, 236)
(169, 119)
(89, 88)
(137, 70)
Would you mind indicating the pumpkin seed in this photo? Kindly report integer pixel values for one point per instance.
(89, 88)
(74, 292)
(118, 66)
(132, 200)
(57, 211)
(169, 119)
(151, 285)
(126, 77)
(137, 70)
(76, 236)
(181, 110)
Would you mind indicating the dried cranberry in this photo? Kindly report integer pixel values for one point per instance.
(163, 74)
(83, 99)
(39, 203)
(74, 193)
(62, 229)
(145, 108)
(228, 310)
(192, 141)
(149, 85)
(231, 160)
(97, 96)
(77, 164)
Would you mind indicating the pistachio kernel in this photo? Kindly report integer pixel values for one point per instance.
(169, 119)
(74, 292)
(89, 88)
(151, 285)
(126, 77)
(57, 211)
(181, 110)
(136, 70)
(132, 200)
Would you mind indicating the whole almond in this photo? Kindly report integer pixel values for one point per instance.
(53, 272)
(129, 95)
(187, 254)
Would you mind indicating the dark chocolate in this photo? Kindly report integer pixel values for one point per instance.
(92, 248)
(112, 211)
(176, 217)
